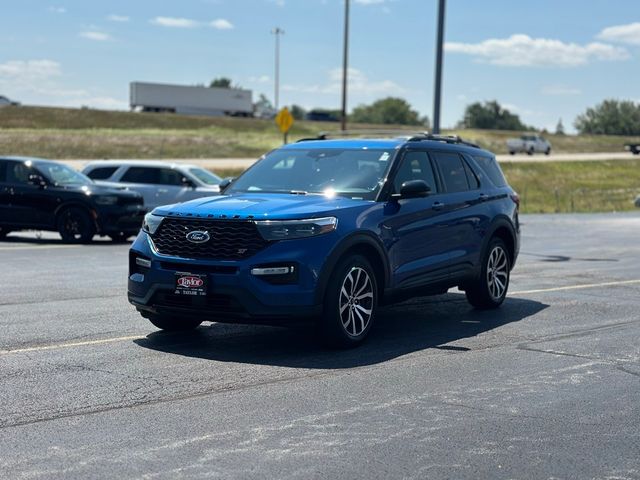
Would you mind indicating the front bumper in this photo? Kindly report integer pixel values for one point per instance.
(234, 293)
(116, 219)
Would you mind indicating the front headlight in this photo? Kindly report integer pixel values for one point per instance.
(151, 223)
(106, 200)
(290, 229)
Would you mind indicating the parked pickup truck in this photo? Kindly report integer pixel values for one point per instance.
(633, 148)
(528, 144)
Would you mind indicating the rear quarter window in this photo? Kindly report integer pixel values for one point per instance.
(491, 169)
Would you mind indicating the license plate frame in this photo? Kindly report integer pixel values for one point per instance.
(191, 284)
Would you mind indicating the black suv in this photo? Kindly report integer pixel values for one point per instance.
(45, 195)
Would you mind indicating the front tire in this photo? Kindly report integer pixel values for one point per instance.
(547, 152)
(350, 303)
(490, 289)
(530, 151)
(173, 324)
(75, 225)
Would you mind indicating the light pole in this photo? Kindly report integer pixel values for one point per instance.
(438, 83)
(277, 32)
(345, 65)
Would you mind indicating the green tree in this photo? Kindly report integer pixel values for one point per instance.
(297, 111)
(560, 128)
(491, 116)
(611, 117)
(222, 82)
(390, 110)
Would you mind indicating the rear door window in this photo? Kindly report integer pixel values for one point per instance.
(18, 173)
(101, 173)
(166, 176)
(453, 172)
(141, 175)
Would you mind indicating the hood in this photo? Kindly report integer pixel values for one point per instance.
(265, 206)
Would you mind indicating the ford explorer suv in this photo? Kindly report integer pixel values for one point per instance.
(328, 230)
(44, 195)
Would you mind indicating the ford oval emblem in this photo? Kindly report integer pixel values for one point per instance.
(198, 236)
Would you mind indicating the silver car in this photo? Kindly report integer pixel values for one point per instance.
(160, 183)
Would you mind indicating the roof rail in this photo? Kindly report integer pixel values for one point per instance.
(454, 139)
(397, 133)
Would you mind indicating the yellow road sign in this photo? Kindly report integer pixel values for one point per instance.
(284, 120)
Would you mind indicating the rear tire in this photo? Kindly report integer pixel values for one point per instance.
(530, 151)
(511, 152)
(350, 303)
(490, 289)
(173, 324)
(547, 152)
(75, 225)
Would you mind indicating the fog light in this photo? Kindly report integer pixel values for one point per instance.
(143, 262)
(272, 271)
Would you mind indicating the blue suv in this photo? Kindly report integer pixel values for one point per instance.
(328, 230)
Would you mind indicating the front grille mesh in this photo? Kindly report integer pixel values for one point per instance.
(229, 239)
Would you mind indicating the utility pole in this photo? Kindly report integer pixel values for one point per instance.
(345, 65)
(277, 32)
(437, 97)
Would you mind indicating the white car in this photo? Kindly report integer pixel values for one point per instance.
(528, 144)
(160, 183)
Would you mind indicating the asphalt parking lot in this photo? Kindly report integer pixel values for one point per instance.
(545, 387)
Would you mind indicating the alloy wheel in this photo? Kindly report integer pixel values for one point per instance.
(497, 272)
(356, 301)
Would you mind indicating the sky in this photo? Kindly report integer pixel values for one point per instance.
(544, 60)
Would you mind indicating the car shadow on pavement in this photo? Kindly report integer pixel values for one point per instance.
(420, 324)
(48, 240)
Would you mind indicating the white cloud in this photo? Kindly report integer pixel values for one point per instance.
(560, 90)
(96, 36)
(28, 70)
(523, 51)
(221, 24)
(279, 3)
(369, 2)
(359, 84)
(57, 10)
(118, 18)
(173, 22)
(260, 79)
(629, 34)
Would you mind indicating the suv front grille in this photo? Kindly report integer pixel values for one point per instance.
(229, 239)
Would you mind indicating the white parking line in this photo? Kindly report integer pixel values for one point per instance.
(576, 287)
(30, 247)
(56, 346)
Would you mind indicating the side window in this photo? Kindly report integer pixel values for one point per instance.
(491, 169)
(415, 166)
(141, 175)
(453, 172)
(18, 172)
(170, 177)
(101, 173)
(472, 179)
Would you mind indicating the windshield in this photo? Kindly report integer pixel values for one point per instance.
(60, 174)
(354, 173)
(205, 176)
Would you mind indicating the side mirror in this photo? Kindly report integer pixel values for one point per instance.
(37, 180)
(414, 189)
(225, 183)
(187, 183)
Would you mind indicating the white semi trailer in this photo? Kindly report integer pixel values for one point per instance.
(187, 100)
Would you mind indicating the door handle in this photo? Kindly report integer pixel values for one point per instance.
(484, 197)
(438, 206)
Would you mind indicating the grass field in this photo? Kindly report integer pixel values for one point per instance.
(94, 134)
